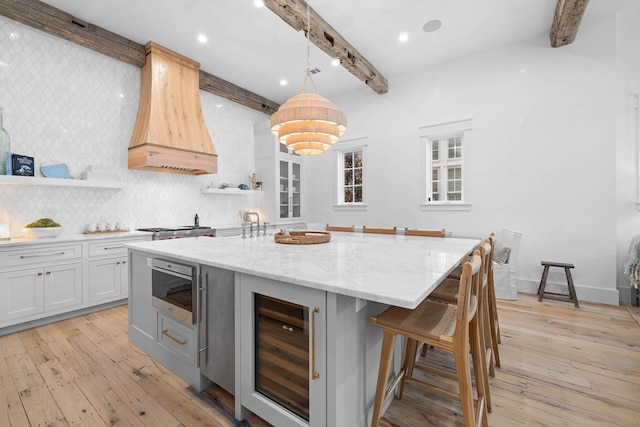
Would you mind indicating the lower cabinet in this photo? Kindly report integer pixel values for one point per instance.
(109, 279)
(283, 352)
(32, 291)
(55, 277)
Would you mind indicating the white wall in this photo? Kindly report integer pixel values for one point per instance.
(65, 103)
(627, 184)
(542, 155)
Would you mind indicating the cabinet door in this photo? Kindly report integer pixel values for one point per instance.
(104, 279)
(283, 352)
(21, 293)
(290, 189)
(124, 278)
(62, 286)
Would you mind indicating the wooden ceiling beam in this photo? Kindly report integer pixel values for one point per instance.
(566, 21)
(326, 38)
(54, 21)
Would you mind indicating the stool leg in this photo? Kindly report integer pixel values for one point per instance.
(543, 283)
(572, 289)
(388, 342)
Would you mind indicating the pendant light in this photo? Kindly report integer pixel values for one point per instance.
(308, 123)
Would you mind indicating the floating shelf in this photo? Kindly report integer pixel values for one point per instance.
(235, 191)
(59, 182)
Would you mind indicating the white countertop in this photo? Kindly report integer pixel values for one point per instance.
(66, 238)
(397, 270)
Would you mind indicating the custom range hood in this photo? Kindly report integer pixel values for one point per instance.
(170, 134)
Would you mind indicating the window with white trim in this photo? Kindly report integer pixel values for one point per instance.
(350, 174)
(445, 173)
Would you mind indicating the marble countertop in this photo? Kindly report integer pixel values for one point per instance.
(67, 238)
(397, 270)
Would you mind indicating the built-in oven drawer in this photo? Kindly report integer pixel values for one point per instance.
(176, 337)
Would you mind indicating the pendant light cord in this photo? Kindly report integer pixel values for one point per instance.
(308, 81)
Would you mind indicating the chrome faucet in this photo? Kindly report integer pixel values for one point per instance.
(247, 219)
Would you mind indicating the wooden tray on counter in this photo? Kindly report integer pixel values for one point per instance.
(105, 232)
(302, 237)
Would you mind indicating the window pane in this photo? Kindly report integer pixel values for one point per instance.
(348, 160)
(348, 195)
(358, 177)
(348, 177)
(435, 154)
(357, 159)
(357, 194)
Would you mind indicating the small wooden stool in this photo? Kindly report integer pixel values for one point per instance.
(551, 295)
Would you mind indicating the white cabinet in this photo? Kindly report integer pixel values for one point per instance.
(54, 277)
(108, 279)
(108, 269)
(39, 281)
(281, 173)
(283, 351)
(289, 201)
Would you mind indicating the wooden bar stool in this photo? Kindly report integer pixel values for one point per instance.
(451, 328)
(572, 297)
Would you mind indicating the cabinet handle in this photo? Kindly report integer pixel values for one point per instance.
(314, 374)
(39, 255)
(48, 272)
(118, 263)
(168, 335)
(40, 274)
(106, 248)
(124, 262)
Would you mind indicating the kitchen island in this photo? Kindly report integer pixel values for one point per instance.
(333, 286)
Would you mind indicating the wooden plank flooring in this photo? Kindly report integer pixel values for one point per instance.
(561, 366)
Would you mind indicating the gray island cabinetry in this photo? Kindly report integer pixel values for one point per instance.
(305, 353)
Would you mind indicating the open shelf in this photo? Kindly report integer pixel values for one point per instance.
(59, 182)
(236, 191)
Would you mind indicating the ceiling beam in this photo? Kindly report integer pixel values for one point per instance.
(326, 38)
(59, 23)
(566, 21)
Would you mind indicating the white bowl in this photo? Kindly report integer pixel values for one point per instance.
(40, 232)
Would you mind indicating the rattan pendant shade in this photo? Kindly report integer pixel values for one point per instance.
(308, 123)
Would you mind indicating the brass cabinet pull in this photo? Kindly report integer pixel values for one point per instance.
(168, 335)
(40, 255)
(106, 248)
(48, 272)
(40, 273)
(314, 374)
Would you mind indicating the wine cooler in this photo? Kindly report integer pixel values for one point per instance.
(282, 343)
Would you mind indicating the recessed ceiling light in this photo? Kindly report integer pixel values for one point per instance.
(335, 62)
(402, 38)
(432, 26)
(202, 38)
(258, 3)
(283, 82)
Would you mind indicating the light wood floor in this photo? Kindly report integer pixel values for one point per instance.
(561, 366)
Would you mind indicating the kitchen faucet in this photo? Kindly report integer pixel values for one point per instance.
(246, 219)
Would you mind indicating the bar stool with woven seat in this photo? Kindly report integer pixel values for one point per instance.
(340, 228)
(444, 326)
(374, 230)
(448, 290)
(424, 233)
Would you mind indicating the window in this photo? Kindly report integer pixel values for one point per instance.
(445, 173)
(352, 183)
(350, 176)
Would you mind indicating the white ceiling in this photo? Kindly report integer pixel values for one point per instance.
(253, 48)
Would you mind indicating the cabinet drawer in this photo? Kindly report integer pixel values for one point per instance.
(111, 247)
(176, 337)
(39, 255)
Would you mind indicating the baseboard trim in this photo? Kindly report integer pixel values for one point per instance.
(584, 293)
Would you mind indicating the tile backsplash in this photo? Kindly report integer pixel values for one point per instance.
(64, 103)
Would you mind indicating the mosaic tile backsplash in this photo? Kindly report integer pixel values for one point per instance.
(64, 103)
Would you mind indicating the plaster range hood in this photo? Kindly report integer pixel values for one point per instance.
(170, 134)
